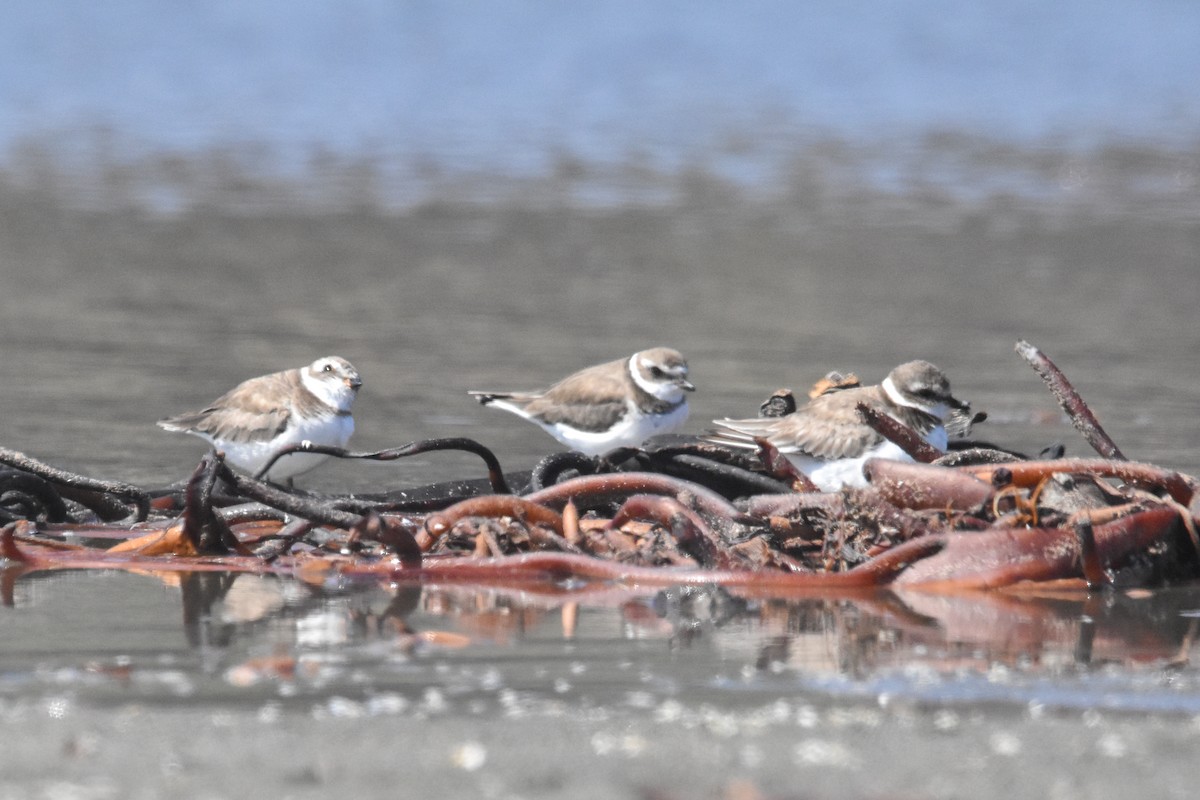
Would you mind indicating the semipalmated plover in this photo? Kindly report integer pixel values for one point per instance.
(828, 441)
(259, 416)
(618, 404)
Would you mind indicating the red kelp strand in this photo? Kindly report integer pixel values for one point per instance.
(1028, 474)
(692, 533)
(593, 489)
(1089, 558)
(36, 557)
(919, 486)
(790, 505)
(496, 505)
(564, 566)
(1081, 416)
(393, 533)
(899, 434)
(8, 547)
(778, 466)
(998, 557)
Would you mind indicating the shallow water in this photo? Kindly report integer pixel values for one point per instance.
(129, 685)
(218, 639)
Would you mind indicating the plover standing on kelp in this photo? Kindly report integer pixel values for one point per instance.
(251, 422)
(828, 441)
(618, 404)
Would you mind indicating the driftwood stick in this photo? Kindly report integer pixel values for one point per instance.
(1081, 416)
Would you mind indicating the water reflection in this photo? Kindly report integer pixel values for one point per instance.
(219, 635)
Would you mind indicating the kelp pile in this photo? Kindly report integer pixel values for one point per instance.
(675, 512)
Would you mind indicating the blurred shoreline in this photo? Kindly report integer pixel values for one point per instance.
(968, 170)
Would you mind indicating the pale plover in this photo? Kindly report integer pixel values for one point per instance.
(618, 404)
(259, 416)
(827, 439)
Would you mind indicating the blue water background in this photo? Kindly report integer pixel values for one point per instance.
(515, 85)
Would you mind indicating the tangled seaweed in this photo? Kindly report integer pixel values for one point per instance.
(675, 513)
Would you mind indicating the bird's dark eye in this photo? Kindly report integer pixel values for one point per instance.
(656, 372)
(328, 368)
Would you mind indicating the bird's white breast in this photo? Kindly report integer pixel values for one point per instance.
(633, 428)
(332, 430)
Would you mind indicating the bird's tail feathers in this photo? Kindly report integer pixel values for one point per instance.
(734, 433)
(486, 398)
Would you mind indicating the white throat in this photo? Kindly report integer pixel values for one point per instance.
(667, 392)
(332, 393)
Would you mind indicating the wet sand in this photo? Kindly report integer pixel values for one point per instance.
(791, 749)
(115, 314)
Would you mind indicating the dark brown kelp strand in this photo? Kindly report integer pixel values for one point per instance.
(129, 495)
(899, 434)
(251, 512)
(24, 495)
(495, 474)
(206, 530)
(318, 512)
(1081, 416)
(283, 539)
